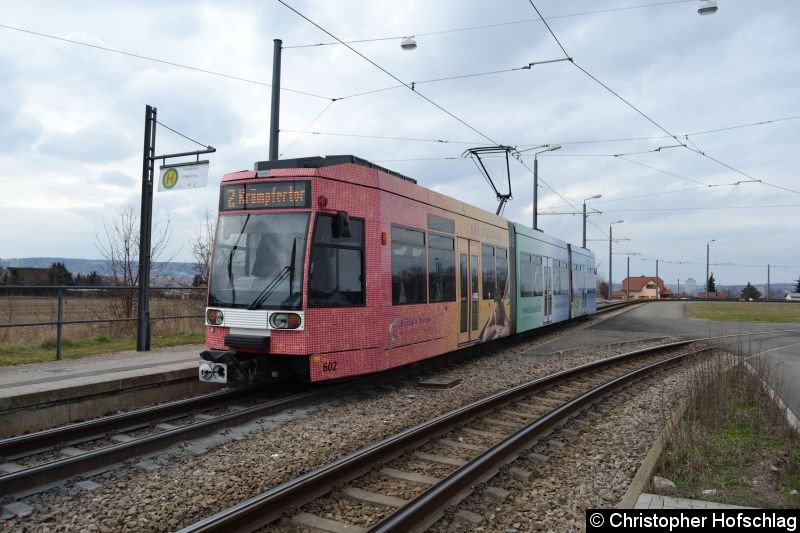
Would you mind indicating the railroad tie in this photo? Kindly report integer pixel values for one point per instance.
(461, 445)
(374, 498)
(71, 451)
(518, 414)
(504, 423)
(411, 477)
(479, 433)
(317, 523)
(534, 408)
(441, 459)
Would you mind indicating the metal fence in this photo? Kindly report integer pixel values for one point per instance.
(60, 292)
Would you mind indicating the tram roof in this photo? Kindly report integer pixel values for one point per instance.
(325, 161)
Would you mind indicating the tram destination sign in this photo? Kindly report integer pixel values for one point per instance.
(265, 195)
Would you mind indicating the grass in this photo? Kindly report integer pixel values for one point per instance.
(745, 311)
(735, 441)
(101, 344)
(21, 345)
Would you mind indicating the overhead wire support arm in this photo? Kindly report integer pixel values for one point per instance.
(476, 153)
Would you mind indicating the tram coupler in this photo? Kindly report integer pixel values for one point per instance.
(220, 366)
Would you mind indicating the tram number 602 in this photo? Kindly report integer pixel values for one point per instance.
(329, 366)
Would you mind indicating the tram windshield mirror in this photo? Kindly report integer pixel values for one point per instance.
(340, 225)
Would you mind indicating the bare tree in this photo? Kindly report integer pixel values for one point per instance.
(202, 247)
(119, 246)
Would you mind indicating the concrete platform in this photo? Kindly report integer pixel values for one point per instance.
(40, 395)
(655, 501)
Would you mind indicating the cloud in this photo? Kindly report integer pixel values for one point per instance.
(72, 116)
(115, 178)
(94, 145)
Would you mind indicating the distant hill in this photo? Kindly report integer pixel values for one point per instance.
(87, 266)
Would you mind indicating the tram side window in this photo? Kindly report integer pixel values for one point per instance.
(525, 275)
(556, 278)
(408, 266)
(441, 224)
(564, 274)
(441, 268)
(538, 276)
(501, 257)
(488, 272)
(336, 277)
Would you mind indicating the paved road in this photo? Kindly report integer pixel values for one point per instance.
(780, 350)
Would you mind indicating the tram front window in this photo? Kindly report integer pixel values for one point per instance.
(258, 261)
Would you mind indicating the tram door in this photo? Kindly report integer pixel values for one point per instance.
(547, 274)
(468, 289)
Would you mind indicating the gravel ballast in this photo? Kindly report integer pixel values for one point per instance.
(186, 488)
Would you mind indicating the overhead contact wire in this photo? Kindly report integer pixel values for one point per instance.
(382, 69)
(297, 138)
(495, 25)
(156, 60)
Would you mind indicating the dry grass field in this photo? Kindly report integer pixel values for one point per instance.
(28, 344)
(774, 312)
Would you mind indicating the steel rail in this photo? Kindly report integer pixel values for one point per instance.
(64, 468)
(268, 506)
(49, 438)
(428, 507)
(91, 460)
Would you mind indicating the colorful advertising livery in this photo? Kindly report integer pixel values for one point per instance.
(329, 267)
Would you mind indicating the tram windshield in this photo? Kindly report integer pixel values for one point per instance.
(258, 261)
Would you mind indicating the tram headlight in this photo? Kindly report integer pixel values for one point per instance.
(285, 320)
(214, 317)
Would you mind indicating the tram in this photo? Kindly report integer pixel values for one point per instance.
(331, 267)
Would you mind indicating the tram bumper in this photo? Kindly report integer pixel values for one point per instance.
(225, 366)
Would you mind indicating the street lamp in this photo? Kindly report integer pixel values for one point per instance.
(708, 251)
(584, 216)
(707, 7)
(611, 240)
(408, 43)
(547, 148)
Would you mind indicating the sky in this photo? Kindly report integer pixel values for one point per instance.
(633, 112)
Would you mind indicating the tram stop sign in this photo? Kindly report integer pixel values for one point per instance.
(183, 176)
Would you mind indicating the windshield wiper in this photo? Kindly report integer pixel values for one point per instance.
(230, 260)
(271, 286)
(291, 268)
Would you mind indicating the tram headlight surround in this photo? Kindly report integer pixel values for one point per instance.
(285, 320)
(214, 317)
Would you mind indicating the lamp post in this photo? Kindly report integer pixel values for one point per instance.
(708, 251)
(584, 216)
(628, 281)
(536, 182)
(658, 287)
(275, 107)
(610, 276)
(408, 43)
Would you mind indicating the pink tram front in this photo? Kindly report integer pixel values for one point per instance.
(331, 267)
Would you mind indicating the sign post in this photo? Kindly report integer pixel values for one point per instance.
(145, 223)
(178, 176)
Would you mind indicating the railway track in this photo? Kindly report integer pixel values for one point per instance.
(59, 453)
(429, 467)
(49, 456)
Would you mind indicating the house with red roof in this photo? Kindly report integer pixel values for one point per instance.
(642, 288)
